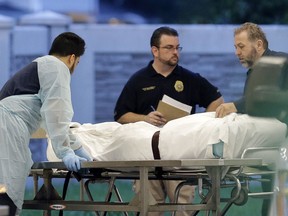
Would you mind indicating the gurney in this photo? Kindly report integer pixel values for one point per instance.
(208, 173)
(211, 174)
(213, 169)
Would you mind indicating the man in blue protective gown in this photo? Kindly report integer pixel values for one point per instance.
(39, 94)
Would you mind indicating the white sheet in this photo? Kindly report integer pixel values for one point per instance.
(190, 137)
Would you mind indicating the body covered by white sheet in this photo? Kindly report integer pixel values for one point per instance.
(190, 137)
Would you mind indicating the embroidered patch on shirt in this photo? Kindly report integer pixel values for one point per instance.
(149, 88)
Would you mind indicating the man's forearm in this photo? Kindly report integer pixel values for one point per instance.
(131, 117)
(213, 106)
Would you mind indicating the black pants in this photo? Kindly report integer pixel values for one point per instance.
(5, 200)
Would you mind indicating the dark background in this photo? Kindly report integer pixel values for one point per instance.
(205, 11)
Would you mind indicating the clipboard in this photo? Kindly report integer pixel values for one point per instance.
(172, 109)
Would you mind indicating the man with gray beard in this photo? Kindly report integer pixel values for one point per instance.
(250, 45)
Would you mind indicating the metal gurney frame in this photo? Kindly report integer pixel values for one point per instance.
(213, 167)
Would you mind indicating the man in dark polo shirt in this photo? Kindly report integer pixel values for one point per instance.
(163, 76)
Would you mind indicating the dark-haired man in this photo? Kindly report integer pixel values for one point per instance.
(38, 93)
(163, 76)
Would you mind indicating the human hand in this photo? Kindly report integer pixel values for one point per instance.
(155, 118)
(81, 152)
(225, 109)
(72, 161)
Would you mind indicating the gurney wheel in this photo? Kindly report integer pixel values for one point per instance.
(243, 196)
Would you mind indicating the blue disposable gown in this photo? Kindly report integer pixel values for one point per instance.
(21, 115)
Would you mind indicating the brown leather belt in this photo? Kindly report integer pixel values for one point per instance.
(155, 143)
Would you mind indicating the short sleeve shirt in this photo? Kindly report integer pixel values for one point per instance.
(25, 81)
(146, 87)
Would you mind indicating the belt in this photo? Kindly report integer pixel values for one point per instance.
(155, 143)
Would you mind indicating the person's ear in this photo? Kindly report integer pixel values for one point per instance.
(154, 50)
(72, 59)
(259, 45)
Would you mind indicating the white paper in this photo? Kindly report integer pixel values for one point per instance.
(176, 103)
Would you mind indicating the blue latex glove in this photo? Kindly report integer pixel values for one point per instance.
(72, 162)
(81, 152)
